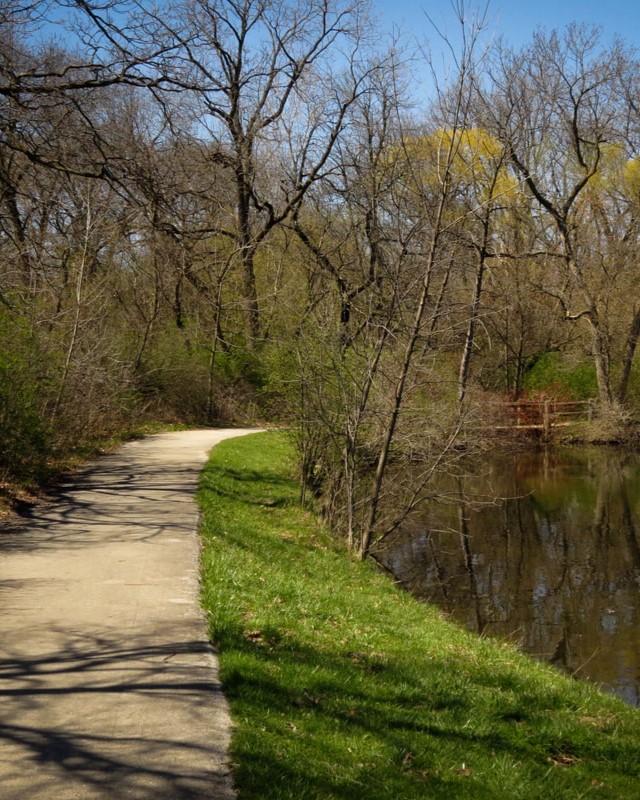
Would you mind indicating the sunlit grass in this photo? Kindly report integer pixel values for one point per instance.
(343, 686)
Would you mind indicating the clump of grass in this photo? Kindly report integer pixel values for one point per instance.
(343, 686)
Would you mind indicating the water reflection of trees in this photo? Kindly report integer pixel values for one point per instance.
(554, 565)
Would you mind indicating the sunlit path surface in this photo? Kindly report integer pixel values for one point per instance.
(108, 684)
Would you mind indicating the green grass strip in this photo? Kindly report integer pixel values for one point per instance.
(343, 686)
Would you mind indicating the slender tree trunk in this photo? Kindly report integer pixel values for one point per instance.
(465, 362)
(245, 239)
(601, 358)
(211, 376)
(469, 341)
(629, 354)
(437, 228)
(350, 489)
(218, 339)
(155, 309)
(438, 306)
(600, 344)
(383, 458)
(73, 340)
(252, 309)
(353, 432)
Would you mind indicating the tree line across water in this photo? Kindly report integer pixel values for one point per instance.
(220, 210)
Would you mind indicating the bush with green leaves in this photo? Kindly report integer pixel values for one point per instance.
(24, 435)
(554, 372)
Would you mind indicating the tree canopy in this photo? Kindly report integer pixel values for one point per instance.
(222, 210)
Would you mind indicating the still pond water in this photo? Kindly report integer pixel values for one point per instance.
(553, 565)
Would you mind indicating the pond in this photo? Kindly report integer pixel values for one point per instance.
(553, 563)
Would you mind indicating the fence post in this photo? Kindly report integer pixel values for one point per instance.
(546, 420)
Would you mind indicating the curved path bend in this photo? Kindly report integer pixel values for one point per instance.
(108, 684)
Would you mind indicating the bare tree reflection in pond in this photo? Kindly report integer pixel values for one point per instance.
(554, 565)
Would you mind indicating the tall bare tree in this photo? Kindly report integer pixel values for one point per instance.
(557, 106)
(263, 82)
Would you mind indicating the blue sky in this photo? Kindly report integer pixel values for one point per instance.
(518, 19)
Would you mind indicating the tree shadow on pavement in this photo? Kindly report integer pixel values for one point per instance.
(75, 688)
(118, 502)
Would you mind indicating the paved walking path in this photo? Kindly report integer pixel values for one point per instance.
(108, 685)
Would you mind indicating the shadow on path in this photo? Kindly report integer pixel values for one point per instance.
(108, 684)
(116, 763)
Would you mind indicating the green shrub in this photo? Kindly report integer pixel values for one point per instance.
(24, 435)
(557, 374)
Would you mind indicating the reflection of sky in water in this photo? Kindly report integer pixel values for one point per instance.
(557, 565)
(540, 592)
(627, 686)
(545, 531)
(578, 575)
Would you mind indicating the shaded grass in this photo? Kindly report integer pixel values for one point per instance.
(343, 686)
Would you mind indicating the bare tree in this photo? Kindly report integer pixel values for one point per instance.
(357, 252)
(379, 238)
(484, 187)
(255, 73)
(452, 113)
(557, 106)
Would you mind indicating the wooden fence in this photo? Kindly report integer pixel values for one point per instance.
(545, 415)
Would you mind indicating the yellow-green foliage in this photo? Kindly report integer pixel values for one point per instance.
(472, 157)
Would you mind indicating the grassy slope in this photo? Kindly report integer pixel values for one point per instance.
(343, 686)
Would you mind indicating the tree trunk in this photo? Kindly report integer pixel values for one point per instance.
(601, 358)
(245, 240)
(629, 353)
(383, 458)
(463, 376)
(73, 340)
